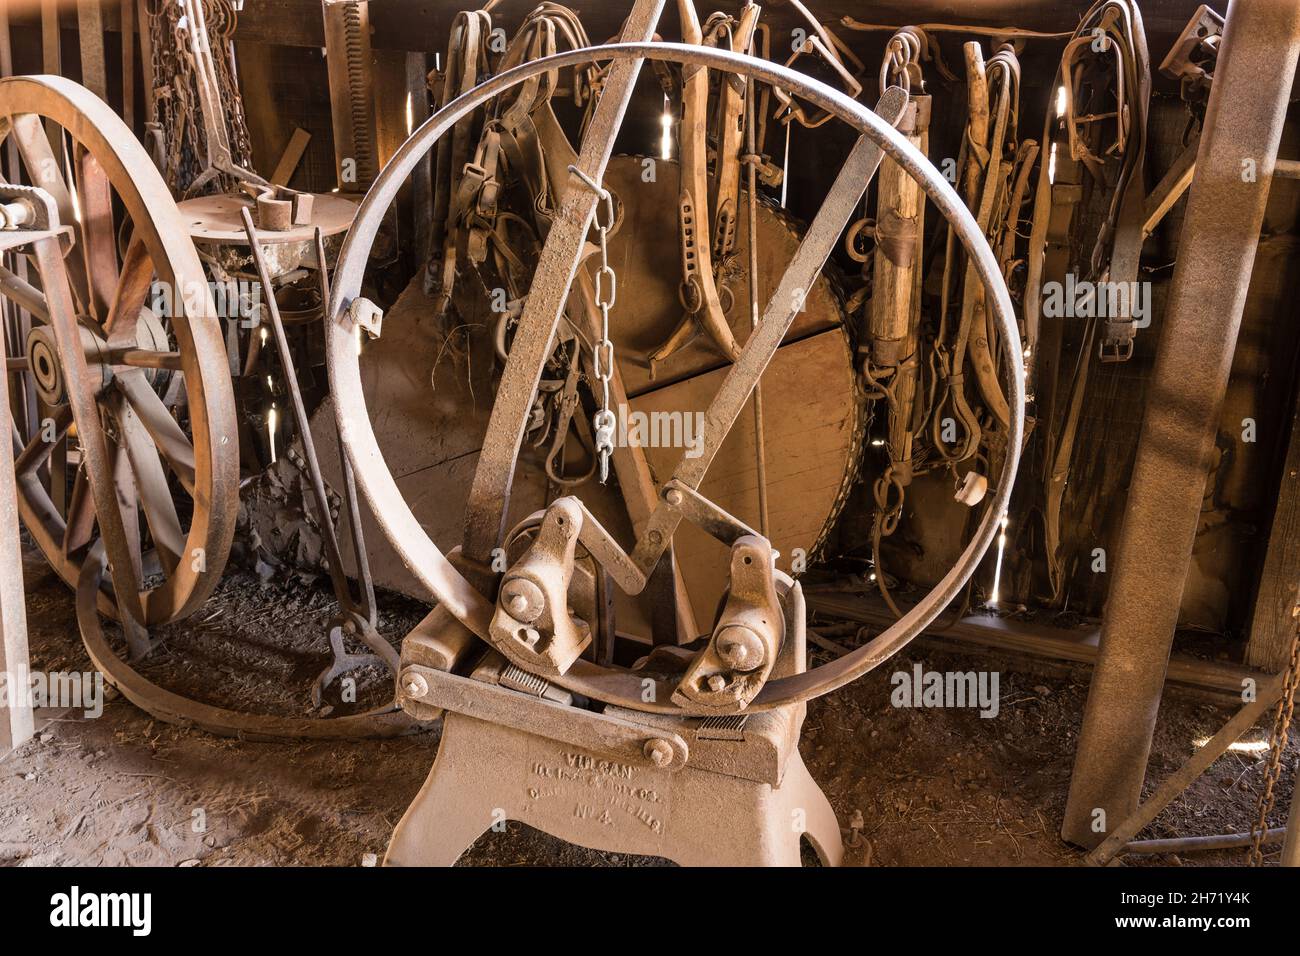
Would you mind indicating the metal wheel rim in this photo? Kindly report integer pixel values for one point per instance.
(427, 562)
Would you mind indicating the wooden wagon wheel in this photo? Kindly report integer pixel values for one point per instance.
(553, 276)
(139, 404)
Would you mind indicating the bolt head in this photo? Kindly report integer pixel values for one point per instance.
(659, 751)
(740, 648)
(414, 685)
(530, 636)
(523, 599)
(717, 683)
(674, 497)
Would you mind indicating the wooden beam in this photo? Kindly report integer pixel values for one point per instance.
(1037, 640)
(1170, 189)
(292, 155)
(16, 724)
(90, 34)
(128, 63)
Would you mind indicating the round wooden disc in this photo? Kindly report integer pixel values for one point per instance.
(430, 424)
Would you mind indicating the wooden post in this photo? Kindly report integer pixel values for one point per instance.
(1272, 624)
(16, 724)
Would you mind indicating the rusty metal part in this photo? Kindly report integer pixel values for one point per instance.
(215, 219)
(1277, 740)
(1291, 846)
(431, 566)
(718, 791)
(1191, 58)
(348, 59)
(700, 293)
(893, 317)
(555, 270)
(125, 468)
(614, 737)
(730, 127)
(533, 624)
(220, 159)
(751, 161)
(1195, 844)
(1221, 227)
(162, 704)
(745, 642)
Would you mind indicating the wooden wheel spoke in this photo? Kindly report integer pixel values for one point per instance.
(80, 523)
(150, 487)
(23, 294)
(38, 449)
(129, 295)
(127, 503)
(98, 236)
(158, 423)
(90, 430)
(45, 171)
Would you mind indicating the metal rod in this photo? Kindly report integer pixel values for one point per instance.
(342, 591)
(1220, 841)
(350, 504)
(1225, 210)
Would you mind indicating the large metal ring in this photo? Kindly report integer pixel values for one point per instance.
(413, 543)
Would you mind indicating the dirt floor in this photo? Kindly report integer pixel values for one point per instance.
(934, 786)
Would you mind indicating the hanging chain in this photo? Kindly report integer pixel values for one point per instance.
(603, 352)
(1277, 741)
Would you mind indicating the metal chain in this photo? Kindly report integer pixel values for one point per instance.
(175, 127)
(1277, 742)
(603, 351)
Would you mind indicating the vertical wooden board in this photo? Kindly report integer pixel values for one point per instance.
(127, 12)
(15, 712)
(90, 28)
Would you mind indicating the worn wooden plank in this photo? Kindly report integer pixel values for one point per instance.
(90, 34)
(1170, 188)
(15, 711)
(127, 9)
(288, 163)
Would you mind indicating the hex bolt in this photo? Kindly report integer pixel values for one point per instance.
(414, 685)
(529, 635)
(659, 751)
(717, 683)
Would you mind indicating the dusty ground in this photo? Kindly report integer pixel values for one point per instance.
(934, 786)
